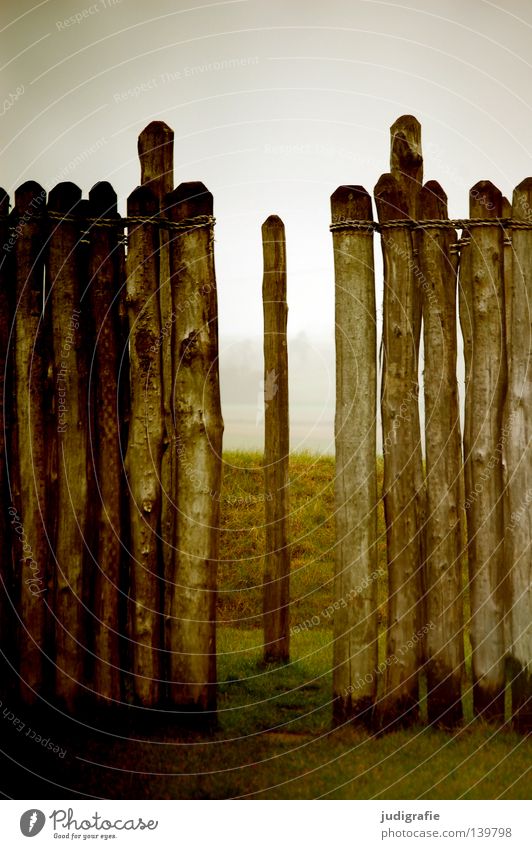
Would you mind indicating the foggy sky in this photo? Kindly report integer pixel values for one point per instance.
(273, 104)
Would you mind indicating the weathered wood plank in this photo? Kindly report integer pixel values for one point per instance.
(518, 460)
(444, 598)
(483, 446)
(355, 659)
(156, 153)
(104, 283)
(198, 440)
(403, 474)
(7, 310)
(276, 578)
(144, 450)
(71, 346)
(28, 470)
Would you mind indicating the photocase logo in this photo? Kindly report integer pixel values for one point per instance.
(32, 822)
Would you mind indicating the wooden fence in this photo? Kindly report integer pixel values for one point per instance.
(456, 508)
(112, 437)
(111, 445)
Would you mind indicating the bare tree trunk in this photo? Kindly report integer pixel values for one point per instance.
(198, 439)
(70, 322)
(403, 473)
(518, 459)
(104, 282)
(27, 472)
(483, 444)
(143, 459)
(356, 571)
(444, 601)
(276, 581)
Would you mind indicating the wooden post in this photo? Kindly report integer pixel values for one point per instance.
(276, 580)
(104, 283)
(444, 600)
(198, 439)
(7, 303)
(72, 345)
(156, 152)
(518, 460)
(406, 160)
(403, 473)
(484, 441)
(145, 444)
(355, 659)
(28, 470)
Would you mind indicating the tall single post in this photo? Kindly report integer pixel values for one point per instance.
(156, 153)
(518, 460)
(198, 427)
(355, 659)
(484, 441)
(145, 445)
(403, 473)
(28, 466)
(104, 286)
(72, 344)
(444, 599)
(276, 580)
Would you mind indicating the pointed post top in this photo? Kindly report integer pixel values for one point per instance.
(406, 157)
(351, 202)
(156, 154)
(485, 200)
(433, 200)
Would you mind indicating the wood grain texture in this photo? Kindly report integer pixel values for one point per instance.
(104, 293)
(518, 459)
(156, 153)
(356, 570)
(276, 578)
(144, 450)
(28, 471)
(72, 344)
(7, 310)
(444, 592)
(403, 474)
(483, 447)
(198, 429)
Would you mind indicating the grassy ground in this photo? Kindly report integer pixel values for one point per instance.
(275, 742)
(274, 738)
(311, 536)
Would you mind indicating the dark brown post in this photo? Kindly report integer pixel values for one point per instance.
(403, 472)
(484, 441)
(355, 659)
(156, 152)
(28, 469)
(7, 303)
(104, 283)
(191, 635)
(70, 328)
(145, 444)
(518, 455)
(444, 601)
(276, 580)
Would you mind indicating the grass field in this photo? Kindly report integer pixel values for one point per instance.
(275, 738)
